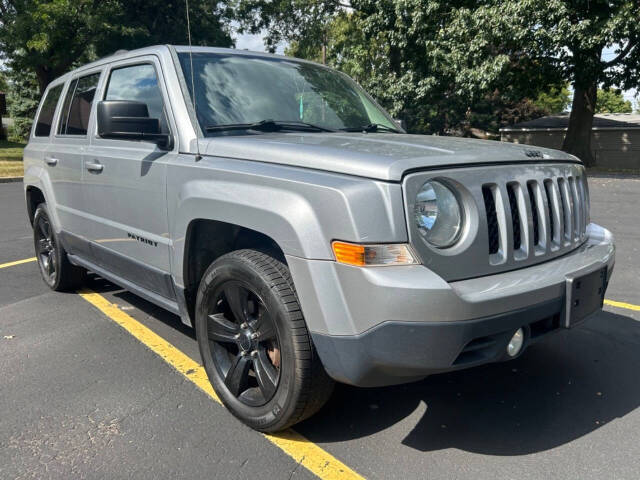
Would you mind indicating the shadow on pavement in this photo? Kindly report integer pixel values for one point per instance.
(100, 285)
(559, 390)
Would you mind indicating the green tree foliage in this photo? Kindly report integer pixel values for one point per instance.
(43, 39)
(571, 36)
(23, 96)
(435, 62)
(611, 101)
(139, 23)
(48, 37)
(3, 82)
(423, 61)
(555, 100)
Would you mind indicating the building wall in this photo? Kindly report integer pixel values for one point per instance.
(611, 148)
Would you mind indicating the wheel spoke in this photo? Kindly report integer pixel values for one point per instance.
(220, 329)
(43, 245)
(266, 374)
(49, 263)
(264, 326)
(42, 228)
(237, 298)
(237, 378)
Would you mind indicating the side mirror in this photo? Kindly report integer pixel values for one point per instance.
(129, 120)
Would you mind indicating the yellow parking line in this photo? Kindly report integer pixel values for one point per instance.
(17, 262)
(303, 451)
(628, 306)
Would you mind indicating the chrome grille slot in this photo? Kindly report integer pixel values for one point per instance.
(488, 194)
(533, 201)
(554, 214)
(515, 215)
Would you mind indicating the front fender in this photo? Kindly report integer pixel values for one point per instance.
(301, 210)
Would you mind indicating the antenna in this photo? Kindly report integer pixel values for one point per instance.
(193, 88)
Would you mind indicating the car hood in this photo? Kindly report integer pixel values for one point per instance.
(383, 156)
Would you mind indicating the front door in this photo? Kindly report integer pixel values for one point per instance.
(124, 183)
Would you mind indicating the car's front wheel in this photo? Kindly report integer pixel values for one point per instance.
(254, 342)
(57, 272)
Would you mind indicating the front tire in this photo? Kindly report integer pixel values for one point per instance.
(254, 342)
(56, 270)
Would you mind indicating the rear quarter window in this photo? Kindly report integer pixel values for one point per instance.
(77, 105)
(45, 118)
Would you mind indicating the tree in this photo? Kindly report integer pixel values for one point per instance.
(140, 23)
(428, 62)
(22, 102)
(3, 82)
(48, 37)
(556, 100)
(571, 36)
(611, 101)
(302, 21)
(433, 59)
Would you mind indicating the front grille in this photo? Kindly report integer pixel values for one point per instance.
(516, 216)
(539, 216)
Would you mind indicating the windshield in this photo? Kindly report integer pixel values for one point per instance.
(244, 89)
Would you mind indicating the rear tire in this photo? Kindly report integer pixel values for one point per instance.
(254, 342)
(56, 270)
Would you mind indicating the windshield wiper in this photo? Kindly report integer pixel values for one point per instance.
(269, 126)
(372, 127)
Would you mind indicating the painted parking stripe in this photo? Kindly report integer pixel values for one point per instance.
(628, 306)
(303, 451)
(17, 262)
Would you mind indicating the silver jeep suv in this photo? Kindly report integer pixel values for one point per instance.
(274, 206)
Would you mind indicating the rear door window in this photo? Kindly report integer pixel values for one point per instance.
(45, 118)
(77, 105)
(138, 83)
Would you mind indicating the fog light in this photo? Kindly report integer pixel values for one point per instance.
(515, 344)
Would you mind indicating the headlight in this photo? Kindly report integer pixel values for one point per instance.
(438, 214)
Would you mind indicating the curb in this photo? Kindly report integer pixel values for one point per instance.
(10, 179)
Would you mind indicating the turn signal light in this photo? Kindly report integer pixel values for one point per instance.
(373, 255)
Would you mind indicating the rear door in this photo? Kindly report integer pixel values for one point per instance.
(65, 155)
(125, 184)
(38, 151)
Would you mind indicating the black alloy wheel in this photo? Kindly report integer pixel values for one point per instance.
(57, 272)
(244, 343)
(254, 342)
(45, 248)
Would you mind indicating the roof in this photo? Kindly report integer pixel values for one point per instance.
(159, 49)
(601, 121)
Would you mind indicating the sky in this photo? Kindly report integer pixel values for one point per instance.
(254, 43)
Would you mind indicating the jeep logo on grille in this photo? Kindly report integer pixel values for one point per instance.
(533, 153)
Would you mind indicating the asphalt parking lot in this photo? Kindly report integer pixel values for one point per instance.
(83, 398)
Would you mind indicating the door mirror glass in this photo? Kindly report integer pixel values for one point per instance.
(129, 120)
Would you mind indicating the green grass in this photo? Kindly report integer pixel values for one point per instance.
(11, 159)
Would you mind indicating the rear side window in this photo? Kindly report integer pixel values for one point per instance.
(138, 83)
(45, 119)
(77, 105)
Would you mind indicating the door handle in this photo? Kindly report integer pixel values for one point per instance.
(94, 166)
(51, 161)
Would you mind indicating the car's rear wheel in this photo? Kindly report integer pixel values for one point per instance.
(254, 342)
(57, 272)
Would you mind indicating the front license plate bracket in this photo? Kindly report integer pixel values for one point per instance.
(584, 295)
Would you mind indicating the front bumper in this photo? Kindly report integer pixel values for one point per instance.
(389, 325)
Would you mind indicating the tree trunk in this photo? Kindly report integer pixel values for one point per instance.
(578, 138)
